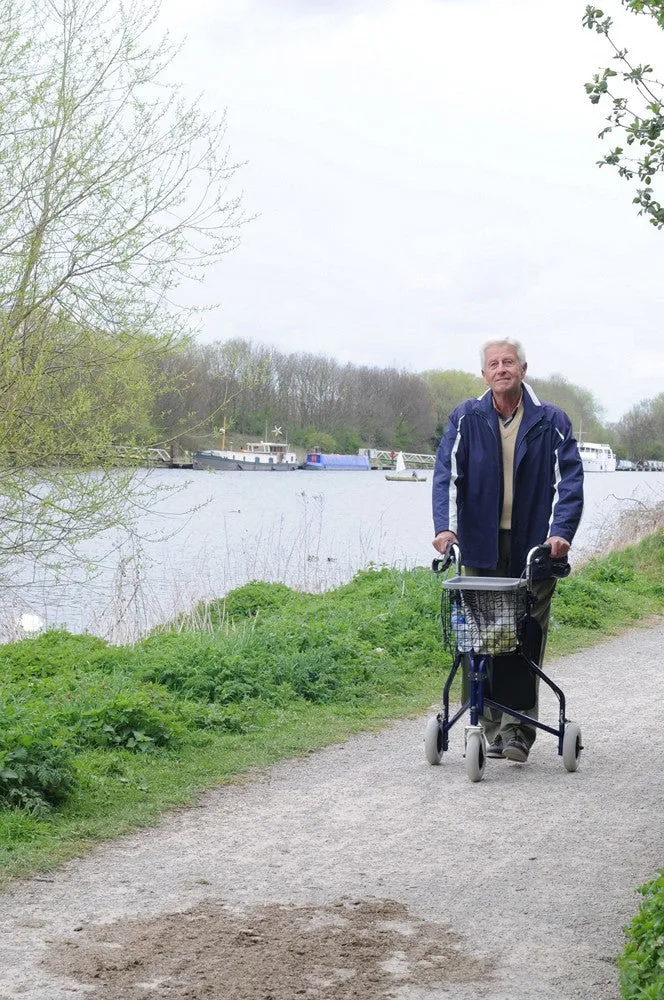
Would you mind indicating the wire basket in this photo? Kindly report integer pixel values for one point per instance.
(483, 614)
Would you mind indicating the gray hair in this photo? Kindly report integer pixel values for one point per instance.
(510, 342)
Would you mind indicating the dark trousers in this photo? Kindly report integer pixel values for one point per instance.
(500, 723)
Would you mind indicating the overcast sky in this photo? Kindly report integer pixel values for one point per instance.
(423, 178)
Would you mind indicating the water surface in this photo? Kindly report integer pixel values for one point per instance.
(311, 530)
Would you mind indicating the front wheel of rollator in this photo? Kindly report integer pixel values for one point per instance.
(572, 746)
(433, 741)
(475, 755)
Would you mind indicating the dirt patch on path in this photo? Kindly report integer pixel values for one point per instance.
(360, 949)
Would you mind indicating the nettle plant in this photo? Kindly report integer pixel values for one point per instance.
(637, 116)
(36, 771)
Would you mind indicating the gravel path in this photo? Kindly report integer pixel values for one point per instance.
(361, 871)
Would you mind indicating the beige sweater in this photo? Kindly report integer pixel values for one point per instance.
(508, 437)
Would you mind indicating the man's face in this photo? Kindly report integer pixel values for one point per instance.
(502, 369)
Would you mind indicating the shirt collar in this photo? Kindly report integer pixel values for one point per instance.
(507, 420)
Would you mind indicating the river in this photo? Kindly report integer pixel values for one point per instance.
(310, 530)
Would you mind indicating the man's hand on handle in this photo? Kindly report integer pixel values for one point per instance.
(559, 546)
(442, 540)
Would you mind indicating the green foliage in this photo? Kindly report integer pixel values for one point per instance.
(139, 720)
(56, 652)
(36, 769)
(322, 440)
(610, 571)
(349, 440)
(269, 647)
(579, 603)
(275, 645)
(621, 586)
(639, 117)
(449, 388)
(641, 430)
(315, 676)
(578, 403)
(252, 599)
(642, 962)
(209, 668)
(306, 437)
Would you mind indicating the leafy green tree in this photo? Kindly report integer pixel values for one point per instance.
(578, 403)
(113, 188)
(310, 437)
(446, 390)
(640, 432)
(636, 115)
(348, 440)
(449, 388)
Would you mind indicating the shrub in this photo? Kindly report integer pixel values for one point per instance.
(139, 720)
(55, 652)
(642, 962)
(250, 600)
(225, 668)
(36, 770)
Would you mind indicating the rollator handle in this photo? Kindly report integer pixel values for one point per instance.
(541, 565)
(451, 555)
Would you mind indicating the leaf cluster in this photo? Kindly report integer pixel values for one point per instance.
(641, 430)
(642, 961)
(36, 768)
(639, 116)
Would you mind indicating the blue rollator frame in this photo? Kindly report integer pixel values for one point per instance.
(484, 618)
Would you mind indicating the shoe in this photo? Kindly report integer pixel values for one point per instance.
(496, 748)
(516, 749)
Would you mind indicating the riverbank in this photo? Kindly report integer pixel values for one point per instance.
(99, 739)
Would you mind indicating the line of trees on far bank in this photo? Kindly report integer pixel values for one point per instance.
(317, 401)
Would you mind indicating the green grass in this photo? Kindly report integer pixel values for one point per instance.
(96, 740)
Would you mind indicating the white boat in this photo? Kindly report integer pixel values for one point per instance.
(257, 456)
(401, 474)
(597, 457)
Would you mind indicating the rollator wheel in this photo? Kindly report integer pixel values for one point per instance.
(475, 756)
(572, 746)
(433, 741)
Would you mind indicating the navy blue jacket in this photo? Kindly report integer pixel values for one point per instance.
(547, 497)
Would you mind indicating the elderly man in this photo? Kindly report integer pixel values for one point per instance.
(508, 477)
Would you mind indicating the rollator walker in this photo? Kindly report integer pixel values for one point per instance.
(487, 624)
